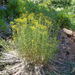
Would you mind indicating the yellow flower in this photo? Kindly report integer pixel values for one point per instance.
(41, 26)
(33, 28)
(19, 20)
(24, 15)
(12, 23)
(25, 19)
(35, 22)
(14, 26)
(31, 16)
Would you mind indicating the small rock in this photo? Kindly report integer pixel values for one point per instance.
(69, 32)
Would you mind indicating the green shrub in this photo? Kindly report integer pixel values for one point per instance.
(5, 46)
(3, 26)
(71, 17)
(32, 39)
(15, 8)
(63, 20)
(2, 12)
(61, 3)
(18, 7)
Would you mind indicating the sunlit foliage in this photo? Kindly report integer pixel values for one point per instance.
(32, 38)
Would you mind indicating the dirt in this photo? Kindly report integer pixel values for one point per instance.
(67, 44)
(64, 63)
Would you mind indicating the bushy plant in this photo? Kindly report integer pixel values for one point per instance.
(32, 39)
(5, 45)
(61, 3)
(63, 20)
(3, 26)
(15, 8)
(18, 7)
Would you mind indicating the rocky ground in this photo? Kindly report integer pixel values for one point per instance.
(11, 64)
(63, 64)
